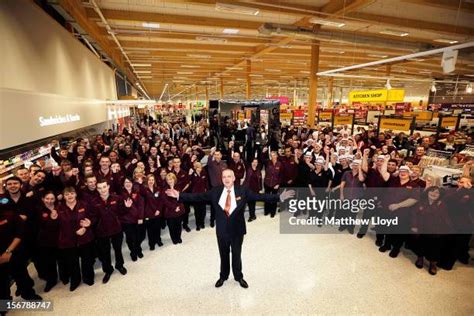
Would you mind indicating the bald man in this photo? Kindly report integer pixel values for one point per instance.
(230, 200)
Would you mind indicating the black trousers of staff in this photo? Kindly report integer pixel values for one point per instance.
(152, 228)
(200, 214)
(174, 225)
(104, 245)
(15, 269)
(133, 238)
(270, 208)
(226, 245)
(251, 205)
(79, 261)
(47, 260)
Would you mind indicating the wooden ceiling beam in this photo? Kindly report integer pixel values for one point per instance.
(152, 17)
(188, 47)
(342, 7)
(445, 4)
(414, 24)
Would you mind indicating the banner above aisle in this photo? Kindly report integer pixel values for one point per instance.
(393, 95)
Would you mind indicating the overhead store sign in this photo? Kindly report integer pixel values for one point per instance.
(343, 119)
(58, 119)
(395, 124)
(449, 121)
(420, 116)
(393, 95)
(325, 116)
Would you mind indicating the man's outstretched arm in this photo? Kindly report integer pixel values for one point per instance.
(190, 197)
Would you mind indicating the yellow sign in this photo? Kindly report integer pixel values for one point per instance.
(420, 116)
(325, 116)
(241, 116)
(286, 116)
(395, 124)
(343, 120)
(449, 121)
(392, 95)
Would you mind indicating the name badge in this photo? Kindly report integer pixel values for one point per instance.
(157, 194)
(113, 202)
(45, 215)
(82, 210)
(238, 198)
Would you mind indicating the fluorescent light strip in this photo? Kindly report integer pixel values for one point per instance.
(198, 56)
(394, 33)
(211, 39)
(141, 65)
(232, 8)
(377, 55)
(273, 70)
(326, 22)
(184, 72)
(143, 71)
(190, 66)
(445, 41)
(230, 31)
(151, 25)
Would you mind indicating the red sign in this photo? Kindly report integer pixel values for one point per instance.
(402, 107)
(298, 113)
(283, 99)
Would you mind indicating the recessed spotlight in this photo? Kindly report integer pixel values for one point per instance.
(190, 66)
(394, 32)
(445, 41)
(231, 31)
(326, 22)
(377, 55)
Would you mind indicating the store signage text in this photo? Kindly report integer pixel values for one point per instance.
(392, 95)
(395, 124)
(58, 119)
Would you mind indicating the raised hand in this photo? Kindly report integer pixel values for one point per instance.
(54, 214)
(287, 194)
(128, 202)
(172, 193)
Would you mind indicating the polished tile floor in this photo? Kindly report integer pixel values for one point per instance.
(287, 274)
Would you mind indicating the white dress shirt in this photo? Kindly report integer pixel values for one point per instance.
(233, 201)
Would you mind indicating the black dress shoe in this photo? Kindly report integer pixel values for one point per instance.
(140, 255)
(360, 236)
(219, 283)
(90, 283)
(341, 228)
(384, 248)
(134, 257)
(212, 225)
(160, 244)
(250, 219)
(419, 263)
(106, 278)
(464, 260)
(379, 242)
(49, 286)
(152, 247)
(243, 283)
(433, 269)
(198, 228)
(394, 252)
(350, 230)
(122, 270)
(187, 229)
(73, 287)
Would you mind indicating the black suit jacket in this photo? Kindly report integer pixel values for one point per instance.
(234, 225)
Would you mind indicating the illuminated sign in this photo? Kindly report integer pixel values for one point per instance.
(58, 119)
(392, 95)
(395, 124)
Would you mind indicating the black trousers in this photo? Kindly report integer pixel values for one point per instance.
(16, 269)
(270, 208)
(213, 215)
(47, 262)
(234, 244)
(133, 238)
(152, 228)
(454, 247)
(79, 261)
(200, 214)
(251, 205)
(187, 210)
(103, 246)
(174, 225)
(428, 246)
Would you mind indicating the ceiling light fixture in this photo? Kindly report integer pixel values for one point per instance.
(141, 65)
(326, 22)
(190, 66)
(445, 41)
(184, 72)
(151, 25)
(469, 88)
(230, 31)
(394, 32)
(388, 86)
(211, 39)
(198, 56)
(232, 8)
(433, 87)
(143, 71)
(377, 55)
(273, 70)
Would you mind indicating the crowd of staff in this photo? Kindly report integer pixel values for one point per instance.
(63, 216)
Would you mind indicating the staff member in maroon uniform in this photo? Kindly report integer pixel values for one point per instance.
(184, 182)
(132, 218)
(89, 194)
(430, 219)
(199, 184)
(290, 168)
(398, 203)
(153, 212)
(272, 181)
(48, 236)
(13, 204)
(253, 181)
(105, 172)
(109, 230)
(237, 165)
(215, 166)
(173, 210)
(12, 227)
(76, 239)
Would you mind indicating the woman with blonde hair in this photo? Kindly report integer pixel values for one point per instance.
(173, 210)
(153, 212)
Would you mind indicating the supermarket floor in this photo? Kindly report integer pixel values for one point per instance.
(296, 274)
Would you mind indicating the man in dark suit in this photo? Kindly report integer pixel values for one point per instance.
(230, 200)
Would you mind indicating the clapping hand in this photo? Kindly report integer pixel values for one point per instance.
(54, 214)
(286, 194)
(81, 231)
(85, 222)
